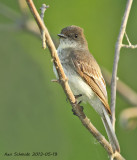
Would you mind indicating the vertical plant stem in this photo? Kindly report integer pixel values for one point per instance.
(116, 59)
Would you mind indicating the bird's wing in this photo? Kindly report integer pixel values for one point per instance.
(93, 77)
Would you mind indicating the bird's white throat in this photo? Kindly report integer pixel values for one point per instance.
(65, 43)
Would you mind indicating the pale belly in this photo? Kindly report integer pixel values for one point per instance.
(78, 86)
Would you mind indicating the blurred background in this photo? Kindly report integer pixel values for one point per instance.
(34, 113)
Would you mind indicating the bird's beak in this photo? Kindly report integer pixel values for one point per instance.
(62, 36)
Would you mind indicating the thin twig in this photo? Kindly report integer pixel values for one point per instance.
(55, 80)
(64, 83)
(116, 59)
(129, 43)
(129, 46)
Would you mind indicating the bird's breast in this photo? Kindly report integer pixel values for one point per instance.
(76, 83)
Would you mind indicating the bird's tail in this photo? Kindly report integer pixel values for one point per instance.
(110, 132)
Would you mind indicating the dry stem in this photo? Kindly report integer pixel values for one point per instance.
(116, 59)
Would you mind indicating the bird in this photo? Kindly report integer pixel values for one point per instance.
(84, 76)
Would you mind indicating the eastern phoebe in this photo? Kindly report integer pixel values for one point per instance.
(84, 76)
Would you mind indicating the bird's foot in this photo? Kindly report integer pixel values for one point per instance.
(80, 102)
(74, 112)
(77, 96)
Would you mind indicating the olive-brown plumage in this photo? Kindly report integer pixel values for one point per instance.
(84, 75)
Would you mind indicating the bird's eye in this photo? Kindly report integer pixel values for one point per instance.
(76, 36)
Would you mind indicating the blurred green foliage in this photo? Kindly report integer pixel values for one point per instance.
(34, 113)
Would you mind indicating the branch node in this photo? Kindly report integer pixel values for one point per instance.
(55, 80)
(64, 80)
(129, 45)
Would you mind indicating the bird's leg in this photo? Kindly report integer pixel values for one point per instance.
(82, 108)
(74, 113)
(77, 96)
(79, 102)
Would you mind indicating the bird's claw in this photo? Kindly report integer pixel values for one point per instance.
(74, 112)
(77, 96)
